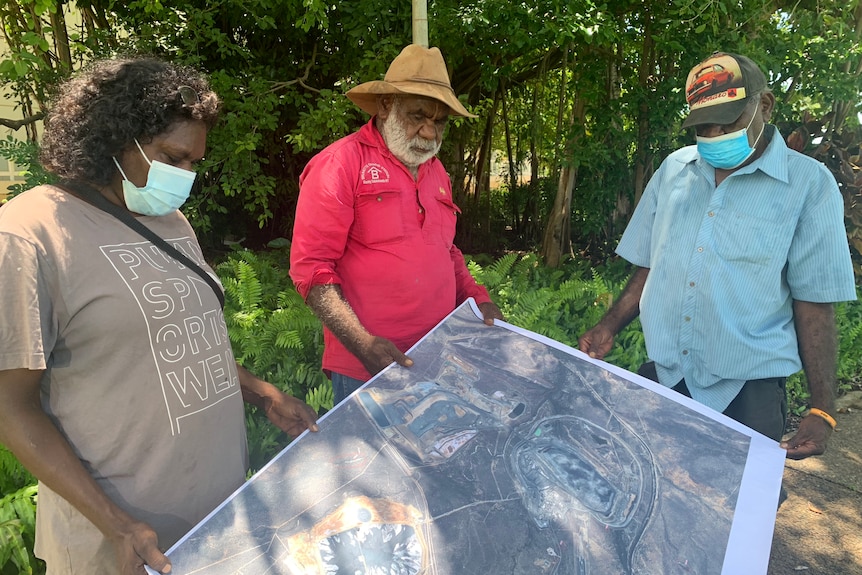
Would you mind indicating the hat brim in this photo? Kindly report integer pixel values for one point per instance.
(365, 95)
(720, 114)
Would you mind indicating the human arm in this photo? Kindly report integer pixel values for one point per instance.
(33, 438)
(325, 214)
(328, 303)
(597, 341)
(818, 345)
(291, 415)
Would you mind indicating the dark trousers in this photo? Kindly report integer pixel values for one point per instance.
(342, 386)
(760, 405)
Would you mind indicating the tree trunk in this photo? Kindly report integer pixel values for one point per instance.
(513, 178)
(557, 238)
(561, 107)
(483, 169)
(647, 65)
(61, 39)
(531, 211)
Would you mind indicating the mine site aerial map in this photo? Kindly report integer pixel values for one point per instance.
(502, 452)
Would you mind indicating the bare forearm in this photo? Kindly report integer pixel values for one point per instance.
(818, 349)
(627, 307)
(329, 305)
(818, 345)
(254, 390)
(374, 352)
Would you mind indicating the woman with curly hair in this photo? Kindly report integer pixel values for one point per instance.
(118, 387)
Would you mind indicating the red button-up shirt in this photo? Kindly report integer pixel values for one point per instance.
(362, 221)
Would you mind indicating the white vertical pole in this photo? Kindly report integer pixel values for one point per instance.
(420, 22)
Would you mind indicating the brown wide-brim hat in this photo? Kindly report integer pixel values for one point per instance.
(416, 71)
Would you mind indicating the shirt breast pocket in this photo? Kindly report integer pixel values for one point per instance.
(743, 238)
(447, 212)
(379, 217)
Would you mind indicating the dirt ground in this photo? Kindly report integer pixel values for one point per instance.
(818, 529)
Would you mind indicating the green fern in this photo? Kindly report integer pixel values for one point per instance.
(558, 303)
(13, 475)
(320, 398)
(498, 272)
(17, 532)
(273, 334)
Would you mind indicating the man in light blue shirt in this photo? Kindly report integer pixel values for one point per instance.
(740, 249)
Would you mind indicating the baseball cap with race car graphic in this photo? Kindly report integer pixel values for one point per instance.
(718, 89)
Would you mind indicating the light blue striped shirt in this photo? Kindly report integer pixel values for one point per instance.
(727, 262)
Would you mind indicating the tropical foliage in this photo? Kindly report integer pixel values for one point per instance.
(275, 336)
(17, 518)
(578, 101)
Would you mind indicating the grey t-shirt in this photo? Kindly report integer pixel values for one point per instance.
(139, 373)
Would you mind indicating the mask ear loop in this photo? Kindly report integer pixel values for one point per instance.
(149, 163)
(116, 163)
(762, 128)
(751, 121)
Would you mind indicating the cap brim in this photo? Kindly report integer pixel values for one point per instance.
(365, 95)
(720, 114)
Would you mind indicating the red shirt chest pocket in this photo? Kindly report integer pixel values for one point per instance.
(378, 217)
(441, 222)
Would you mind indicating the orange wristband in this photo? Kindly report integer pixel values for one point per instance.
(822, 414)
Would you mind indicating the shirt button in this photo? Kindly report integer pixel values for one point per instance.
(379, 199)
(685, 352)
(421, 211)
(690, 284)
(711, 214)
(687, 318)
(700, 249)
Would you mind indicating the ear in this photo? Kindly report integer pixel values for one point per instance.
(384, 105)
(767, 104)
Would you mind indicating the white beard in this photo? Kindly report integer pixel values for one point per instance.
(412, 152)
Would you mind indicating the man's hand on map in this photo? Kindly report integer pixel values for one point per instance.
(490, 312)
(377, 352)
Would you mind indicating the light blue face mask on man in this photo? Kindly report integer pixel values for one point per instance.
(728, 151)
(168, 187)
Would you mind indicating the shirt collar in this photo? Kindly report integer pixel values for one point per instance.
(773, 161)
(369, 134)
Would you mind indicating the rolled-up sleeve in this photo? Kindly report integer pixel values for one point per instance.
(324, 215)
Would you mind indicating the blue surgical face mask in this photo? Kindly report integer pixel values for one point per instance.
(168, 187)
(728, 151)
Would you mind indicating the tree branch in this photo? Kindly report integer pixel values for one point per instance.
(301, 80)
(16, 124)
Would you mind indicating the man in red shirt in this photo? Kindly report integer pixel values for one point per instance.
(372, 250)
